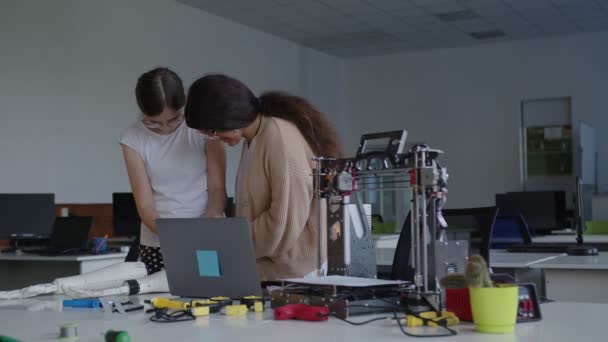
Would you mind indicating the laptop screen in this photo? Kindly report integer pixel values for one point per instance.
(209, 257)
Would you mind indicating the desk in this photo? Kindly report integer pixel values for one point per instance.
(503, 259)
(21, 270)
(570, 239)
(21, 321)
(519, 266)
(576, 278)
(387, 244)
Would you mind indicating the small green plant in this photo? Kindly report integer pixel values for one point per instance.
(477, 273)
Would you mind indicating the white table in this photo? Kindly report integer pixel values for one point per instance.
(503, 259)
(387, 244)
(561, 322)
(570, 239)
(576, 278)
(21, 270)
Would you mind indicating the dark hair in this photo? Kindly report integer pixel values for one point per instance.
(157, 89)
(223, 103)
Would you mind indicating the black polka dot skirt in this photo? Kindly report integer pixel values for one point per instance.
(152, 258)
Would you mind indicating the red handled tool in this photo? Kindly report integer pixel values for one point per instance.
(303, 312)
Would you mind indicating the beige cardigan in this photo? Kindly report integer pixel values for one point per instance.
(278, 201)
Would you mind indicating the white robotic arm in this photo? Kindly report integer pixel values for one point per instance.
(123, 278)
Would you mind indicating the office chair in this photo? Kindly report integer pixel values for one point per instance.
(483, 218)
(510, 230)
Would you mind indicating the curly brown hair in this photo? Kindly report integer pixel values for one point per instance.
(221, 102)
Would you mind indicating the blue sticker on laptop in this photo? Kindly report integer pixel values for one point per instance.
(208, 263)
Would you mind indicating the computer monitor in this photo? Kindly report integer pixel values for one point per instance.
(125, 218)
(579, 208)
(26, 215)
(542, 210)
(71, 232)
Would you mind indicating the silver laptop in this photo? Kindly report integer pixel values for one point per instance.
(207, 257)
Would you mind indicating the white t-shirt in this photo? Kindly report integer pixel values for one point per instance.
(177, 169)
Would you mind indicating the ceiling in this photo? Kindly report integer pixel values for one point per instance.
(350, 28)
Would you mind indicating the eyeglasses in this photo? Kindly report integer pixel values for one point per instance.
(210, 134)
(171, 124)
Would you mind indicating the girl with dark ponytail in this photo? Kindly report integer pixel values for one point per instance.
(152, 147)
(282, 134)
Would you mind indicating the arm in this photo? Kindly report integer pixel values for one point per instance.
(277, 229)
(140, 185)
(216, 178)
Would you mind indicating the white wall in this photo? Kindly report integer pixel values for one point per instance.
(68, 70)
(466, 101)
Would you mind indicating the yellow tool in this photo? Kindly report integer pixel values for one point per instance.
(160, 303)
(254, 303)
(430, 318)
(202, 302)
(199, 311)
(223, 300)
(258, 307)
(236, 310)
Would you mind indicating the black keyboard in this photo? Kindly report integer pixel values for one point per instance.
(539, 249)
(55, 251)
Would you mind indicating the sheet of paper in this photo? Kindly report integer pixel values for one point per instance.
(336, 280)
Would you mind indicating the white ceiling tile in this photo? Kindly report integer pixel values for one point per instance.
(525, 4)
(540, 12)
(528, 35)
(360, 12)
(408, 12)
(350, 7)
(347, 30)
(441, 28)
(572, 2)
(366, 27)
(285, 2)
(393, 27)
(483, 4)
(473, 25)
(452, 35)
(550, 22)
(598, 21)
(518, 33)
(594, 26)
(507, 21)
(549, 26)
(307, 7)
(495, 12)
(329, 14)
(432, 3)
(390, 4)
(591, 20)
(450, 6)
(375, 19)
(582, 10)
(423, 19)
